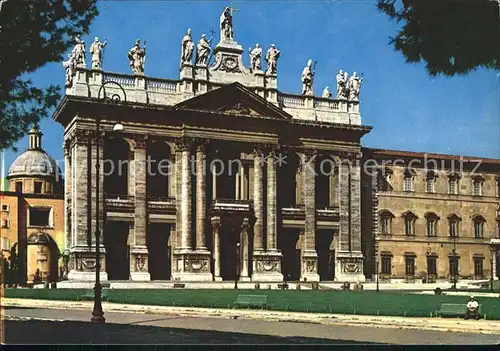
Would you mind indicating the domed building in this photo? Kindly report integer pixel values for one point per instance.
(32, 213)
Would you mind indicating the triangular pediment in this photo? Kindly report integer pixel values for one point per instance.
(234, 99)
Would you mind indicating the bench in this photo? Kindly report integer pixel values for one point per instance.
(283, 286)
(454, 310)
(89, 295)
(179, 285)
(251, 301)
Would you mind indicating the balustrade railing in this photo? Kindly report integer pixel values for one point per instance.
(291, 100)
(161, 85)
(126, 81)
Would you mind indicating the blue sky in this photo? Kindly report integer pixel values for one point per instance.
(408, 109)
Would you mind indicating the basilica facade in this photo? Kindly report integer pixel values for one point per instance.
(217, 175)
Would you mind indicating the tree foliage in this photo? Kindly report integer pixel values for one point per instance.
(32, 34)
(451, 36)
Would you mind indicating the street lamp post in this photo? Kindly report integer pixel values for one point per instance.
(455, 262)
(377, 263)
(97, 312)
(237, 266)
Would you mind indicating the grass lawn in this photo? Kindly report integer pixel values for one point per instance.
(364, 302)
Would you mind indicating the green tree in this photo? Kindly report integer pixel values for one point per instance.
(32, 34)
(451, 36)
(12, 269)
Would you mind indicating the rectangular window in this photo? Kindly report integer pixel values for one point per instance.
(40, 216)
(478, 267)
(408, 184)
(431, 227)
(498, 187)
(5, 244)
(19, 187)
(476, 188)
(453, 266)
(452, 186)
(38, 187)
(430, 185)
(453, 229)
(431, 265)
(408, 226)
(410, 265)
(5, 223)
(384, 225)
(478, 230)
(386, 265)
(5, 208)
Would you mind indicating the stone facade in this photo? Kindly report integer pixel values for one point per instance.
(416, 209)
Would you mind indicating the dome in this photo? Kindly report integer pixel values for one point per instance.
(33, 163)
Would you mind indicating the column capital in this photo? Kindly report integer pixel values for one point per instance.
(201, 144)
(216, 221)
(140, 141)
(82, 136)
(245, 225)
(184, 144)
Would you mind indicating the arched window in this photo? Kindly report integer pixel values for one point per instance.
(453, 225)
(409, 176)
(477, 185)
(409, 223)
(430, 180)
(453, 183)
(478, 221)
(432, 221)
(385, 221)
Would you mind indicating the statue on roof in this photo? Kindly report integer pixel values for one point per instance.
(326, 93)
(272, 56)
(307, 79)
(137, 57)
(187, 48)
(70, 66)
(226, 24)
(203, 50)
(78, 53)
(255, 55)
(354, 86)
(96, 50)
(342, 85)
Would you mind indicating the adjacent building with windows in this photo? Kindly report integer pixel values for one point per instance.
(430, 216)
(32, 212)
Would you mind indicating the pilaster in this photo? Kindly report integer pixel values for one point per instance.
(138, 250)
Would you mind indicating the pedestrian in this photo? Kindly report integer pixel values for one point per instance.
(472, 309)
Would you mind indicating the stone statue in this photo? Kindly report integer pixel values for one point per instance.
(96, 50)
(137, 57)
(342, 85)
(70, 70)
(203, 50)
(79, 53)
(272, 56)
(226, 25)
(354, 86)
(307, 79)
(187, 48)
(255, 56)
(326, 93)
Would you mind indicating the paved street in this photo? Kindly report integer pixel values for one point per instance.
(72, 326)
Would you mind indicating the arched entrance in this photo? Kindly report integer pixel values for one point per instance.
(42, 258)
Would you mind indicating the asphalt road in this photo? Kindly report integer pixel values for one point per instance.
(63, 326)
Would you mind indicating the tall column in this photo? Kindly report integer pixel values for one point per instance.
(67, 194)
(185, 198)
(309, 255)
(349, 257)
(271, 203)
(258, 202)
(139, 251)
(201, 198)
(494, 254)
(216, 247)
(244, 183)
(214, 181)
(244, 248)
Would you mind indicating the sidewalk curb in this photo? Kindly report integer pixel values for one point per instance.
(432, 324)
